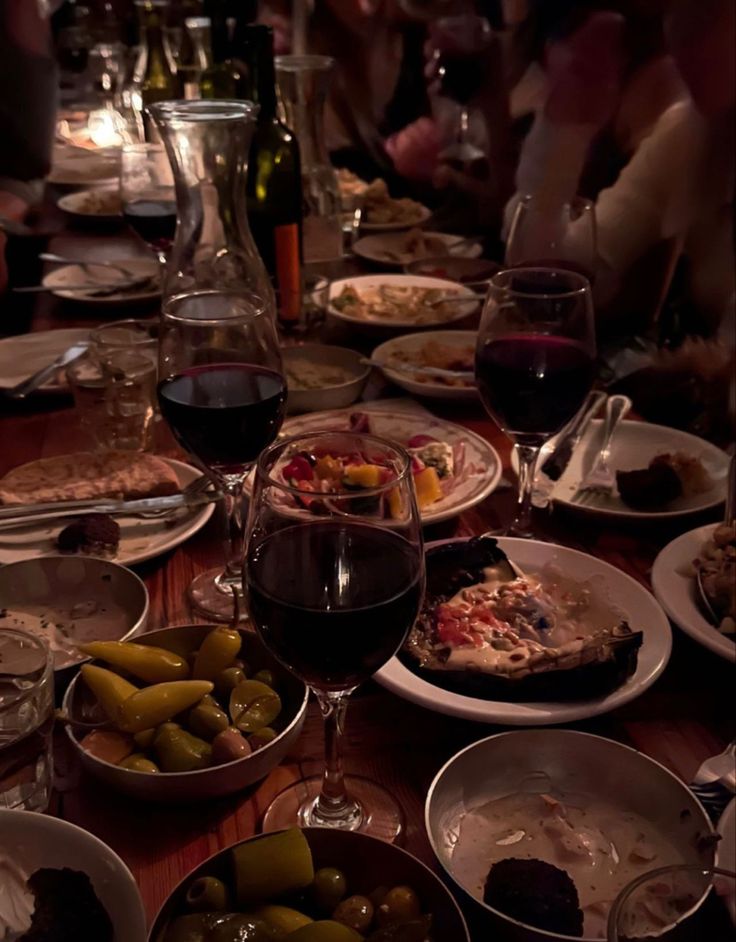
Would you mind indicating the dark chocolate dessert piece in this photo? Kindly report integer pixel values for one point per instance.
(67, 909)
(649, 488)
(93, 534)
(536, 893)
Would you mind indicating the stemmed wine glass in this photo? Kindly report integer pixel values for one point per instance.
(147, 194)
(222, 391)
(334, 582)
(558, 236)
(535, 362)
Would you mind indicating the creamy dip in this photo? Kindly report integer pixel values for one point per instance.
(16, 901)
(601, 847)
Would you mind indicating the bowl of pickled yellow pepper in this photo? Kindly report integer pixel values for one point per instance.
(183, 714)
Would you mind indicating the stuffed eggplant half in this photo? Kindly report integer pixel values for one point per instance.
(488, 630)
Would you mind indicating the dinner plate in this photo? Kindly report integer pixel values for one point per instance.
(140, 538)
(455, 312)
(406, 344)
(727, 851)
(373, 248)
(677, 591)
(22, 356)
(75, 166)
(637, 605)
(482, 462)
(102, 275)
(84, 204)
(423, 216)
(634, 445)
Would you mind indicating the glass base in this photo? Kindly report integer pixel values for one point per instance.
(208, 596)
(374, 810)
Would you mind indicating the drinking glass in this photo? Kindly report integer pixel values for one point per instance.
(223, 394)
(147, 194)
(535, 362)
(553, 236)
(334, 582)
(665, 904)
(26, 721)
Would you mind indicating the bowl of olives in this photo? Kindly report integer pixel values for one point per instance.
(183, 714)
(311, 885)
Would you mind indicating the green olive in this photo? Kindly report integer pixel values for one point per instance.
(265, 677)
(400, 904)
(206, 719)
(139, 763)
(329, 886)
(228, 679)
(229, 745)
(237, 927)
(355, 912)
(144, 740)
(207, 894)
(253, 705)
(262, 737)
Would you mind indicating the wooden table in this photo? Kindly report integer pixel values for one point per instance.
(686, 716)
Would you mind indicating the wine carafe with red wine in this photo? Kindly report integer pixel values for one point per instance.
(274, 174)
(221, 386)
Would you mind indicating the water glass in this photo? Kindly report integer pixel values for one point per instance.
(26, 721)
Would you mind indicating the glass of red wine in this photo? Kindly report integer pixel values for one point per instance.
(147, 194)
(334, 577)
(553, 236)
(222, 391)
(534, 362)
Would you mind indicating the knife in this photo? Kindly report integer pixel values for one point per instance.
(22, 389)
(29, 514)
(556, 462)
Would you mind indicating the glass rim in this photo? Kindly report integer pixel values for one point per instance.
(264, 473)
(48, 667)
(206, 109)
(167, 316)
(128, 322)
(496, 281)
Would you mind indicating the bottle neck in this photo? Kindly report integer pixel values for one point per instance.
(254, 47)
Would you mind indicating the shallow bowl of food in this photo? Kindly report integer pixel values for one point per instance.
(453, 268)
(71, 870)
(397, 249)
(322, 377)
(385, 304)
(540, 795)
(187, 763)
(272, 877)
(68, 600)
(98, 205)
(403, 358)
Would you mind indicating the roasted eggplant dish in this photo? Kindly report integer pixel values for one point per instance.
(487, 630)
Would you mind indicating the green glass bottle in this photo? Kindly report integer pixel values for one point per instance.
(274, 174)
(154, 75)
(196, 59)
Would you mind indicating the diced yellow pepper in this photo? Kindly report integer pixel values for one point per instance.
(363, 475)
(427, 486)
(328, 467)
(395, 503)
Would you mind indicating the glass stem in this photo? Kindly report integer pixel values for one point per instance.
(233, 490)
(333, 802)
(527, 455)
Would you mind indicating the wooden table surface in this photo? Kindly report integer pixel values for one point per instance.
(686, 716)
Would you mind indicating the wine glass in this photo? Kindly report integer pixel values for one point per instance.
(665, 903)
(535, 362)
(553, 236)
(222, 391)
(147, 195)
(334, 582)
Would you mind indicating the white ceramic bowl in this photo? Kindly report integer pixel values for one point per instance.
(33, 840)
(218, 780)
(335, 396)
(573, 762)
(102, 599)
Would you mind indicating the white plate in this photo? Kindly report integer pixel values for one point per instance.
(396, 226)
(75, 166)
(34, 840)
(140, 539)
(727, 852)
(373, 248)
(638, 606)
(677, 593)
(102, 275)
(77, 204)
(457, 312)
(23, 355)
(634, 445)
(483, 465)
(410, 342)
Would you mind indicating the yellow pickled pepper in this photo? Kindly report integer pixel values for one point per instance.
(154, 665)
(217, 652)
(159, 703)
(110, 688)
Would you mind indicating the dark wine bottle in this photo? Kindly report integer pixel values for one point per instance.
(274, 173)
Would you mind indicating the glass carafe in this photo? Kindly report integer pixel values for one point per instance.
(302, 85)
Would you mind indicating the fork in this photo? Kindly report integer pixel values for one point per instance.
(195, 487)
(601, 479)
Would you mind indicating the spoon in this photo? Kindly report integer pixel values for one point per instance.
(709, 609)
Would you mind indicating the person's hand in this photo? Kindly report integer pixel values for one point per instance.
(584, 72)
(415, 150)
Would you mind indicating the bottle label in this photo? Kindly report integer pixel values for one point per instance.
(288, 271)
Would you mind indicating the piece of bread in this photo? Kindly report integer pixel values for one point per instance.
(124, 475)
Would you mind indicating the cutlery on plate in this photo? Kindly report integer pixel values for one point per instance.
(559, 458)
(85, 263)
(424, 370)
(601, 479)
(729, 518)
(27, 386)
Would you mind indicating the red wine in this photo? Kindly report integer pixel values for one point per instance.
(225, 413)
(153, 220)
(334, 634)
(533, 384)
(461, 74)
